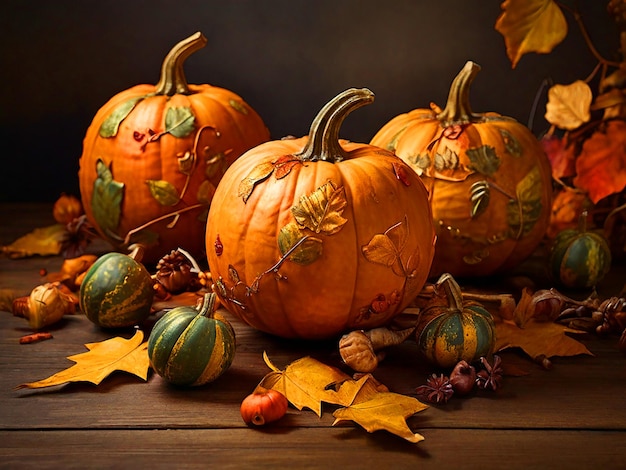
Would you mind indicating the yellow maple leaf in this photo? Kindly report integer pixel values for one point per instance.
(103, 358)
(537, 338)
(568, 105)
(43, 241)
(530, 26)
(305, 383)
(385, 411)
(308, 383)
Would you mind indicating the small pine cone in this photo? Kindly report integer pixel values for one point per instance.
(174, 272)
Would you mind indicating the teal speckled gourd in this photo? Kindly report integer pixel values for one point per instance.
(192, 346)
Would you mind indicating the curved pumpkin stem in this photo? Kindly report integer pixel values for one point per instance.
(458, 110)
(452, 290)
(172, 78)
(209, 304)
(323, 143)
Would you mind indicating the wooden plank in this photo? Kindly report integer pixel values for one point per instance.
(578, 393)
(276, 447)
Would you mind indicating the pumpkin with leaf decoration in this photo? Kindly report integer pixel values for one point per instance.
(315, 236)
(154, 154)
(488, 178)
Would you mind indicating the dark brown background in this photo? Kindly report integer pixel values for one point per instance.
(63, 59)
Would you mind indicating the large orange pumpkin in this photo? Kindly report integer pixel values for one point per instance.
(310, 237)
(488, 177)
(154, 154)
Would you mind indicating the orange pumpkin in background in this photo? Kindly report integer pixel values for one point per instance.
(154, 154)
(489, 180)
(311, 237)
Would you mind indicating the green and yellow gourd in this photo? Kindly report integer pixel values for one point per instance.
(192, 346)
(447, 334)
(579, 258)
(117, 291)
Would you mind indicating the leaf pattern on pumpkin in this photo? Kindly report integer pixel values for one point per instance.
(480, 195)
(386, 248)
(446, 160)
(164, 192)
(259, 173)
(179, 121)
(511, 144)
(306, 252)
(524, 212)
(484, 160)
(281, 167)
(111, 124)
(321, 211)
(106, 199)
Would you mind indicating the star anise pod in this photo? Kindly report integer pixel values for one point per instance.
(437, 389)
(490, 377)
(175, 272)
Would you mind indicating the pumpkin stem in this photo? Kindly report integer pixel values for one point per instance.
(458, 110)
(136, 252)
(172, 78)
(323, 143)
(209, 303)
(452, 290)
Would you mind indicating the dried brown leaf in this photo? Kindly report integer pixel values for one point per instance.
(530, 26)
(568, 105)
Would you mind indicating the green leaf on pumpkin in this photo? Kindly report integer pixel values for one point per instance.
(107, 198)
(524, 212)
(479, 197)
(164, 192)
(111, 124)
(484, 159)
(238, 106)
(206, 191)
(511, 144)
(306, 252)
(179, 121)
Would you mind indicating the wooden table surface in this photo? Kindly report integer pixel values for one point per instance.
(571, 416)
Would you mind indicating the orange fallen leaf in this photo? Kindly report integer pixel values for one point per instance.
(308, 383)
(537, 339)
(102, 359)
(385, 411)
(530, 26)
(305, 383)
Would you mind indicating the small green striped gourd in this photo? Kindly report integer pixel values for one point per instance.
(117, 291)
(447, 334)
(578, 258)
(192, 346)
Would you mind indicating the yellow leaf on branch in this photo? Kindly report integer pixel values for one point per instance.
(102, 359)
(530, 26)
(568, 105)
